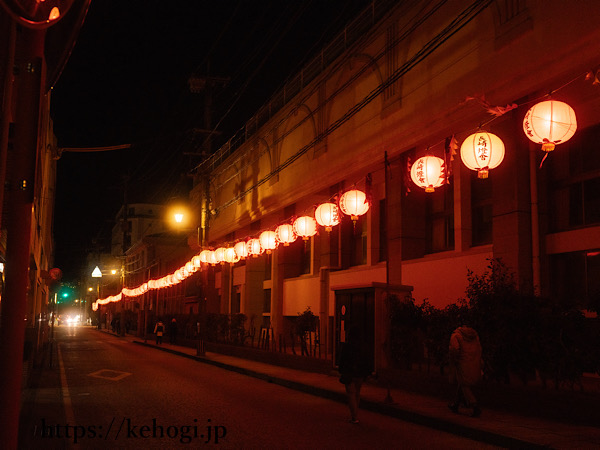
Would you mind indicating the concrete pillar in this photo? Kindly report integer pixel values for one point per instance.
(394, 195)
(277, 276)
(512, 206)
(225, 289)
(462, 207)
(324, 291)
(254, 294)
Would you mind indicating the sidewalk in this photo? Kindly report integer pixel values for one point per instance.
(493, 427)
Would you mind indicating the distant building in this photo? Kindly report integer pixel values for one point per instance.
(133, 222)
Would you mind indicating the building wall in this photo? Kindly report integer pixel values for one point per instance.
(396, 95)
(142, 219)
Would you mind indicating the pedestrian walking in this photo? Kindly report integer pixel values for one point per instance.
(159, 329)
(465, 368)
(173, 331)
(354, 368)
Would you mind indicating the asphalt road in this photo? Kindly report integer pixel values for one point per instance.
(104, 392)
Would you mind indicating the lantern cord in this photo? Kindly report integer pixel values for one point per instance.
(543, 159)
(512, 106)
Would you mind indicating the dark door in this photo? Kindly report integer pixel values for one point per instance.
(355, 307)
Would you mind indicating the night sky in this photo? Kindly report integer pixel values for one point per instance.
(126, 82)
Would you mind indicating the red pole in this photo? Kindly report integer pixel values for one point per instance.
(21, 180)
(10, 34)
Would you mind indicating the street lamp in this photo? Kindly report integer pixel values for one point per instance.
(178, 216)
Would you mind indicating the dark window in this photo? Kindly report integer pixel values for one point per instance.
(306, 256)
(575, 182)
(236, 299)
(267, 258)
(481, 209)
(267, 301)
(354, 241)
(575, 279)
(359, 244)
(584, 203)
(439, 220)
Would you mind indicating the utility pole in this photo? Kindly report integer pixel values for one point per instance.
(26, 82)
(206, 85)
(28, 87)
(125, 246)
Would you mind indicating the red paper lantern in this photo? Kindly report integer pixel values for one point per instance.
(285, 234)
(268, 240)
(327, 215)
(189, 267)
(305, 226)
(212, 258)
(428, 173)
(253, 247)
(220, 254)
(354, 203)
(205, 256)
(482, 151)
(241, 250)
(549, 123)
(231, 256)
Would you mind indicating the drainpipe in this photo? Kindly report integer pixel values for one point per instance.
(535, 227)
(324, 281)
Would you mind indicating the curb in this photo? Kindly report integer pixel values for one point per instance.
(380, 408)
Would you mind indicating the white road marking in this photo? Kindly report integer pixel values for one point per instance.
(65, 390)
(109, 374)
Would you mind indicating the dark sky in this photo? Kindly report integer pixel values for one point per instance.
(126, 83)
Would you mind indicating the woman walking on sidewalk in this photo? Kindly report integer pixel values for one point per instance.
(354, 368)
(465, 367)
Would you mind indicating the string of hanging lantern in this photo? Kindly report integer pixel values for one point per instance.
(549, 123)
(268, 240)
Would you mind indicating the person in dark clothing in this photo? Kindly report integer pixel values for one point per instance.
(354, 368)
(159, 328)
(173, 331)
(465, 367)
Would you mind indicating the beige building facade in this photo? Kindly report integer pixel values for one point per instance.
(414, 76)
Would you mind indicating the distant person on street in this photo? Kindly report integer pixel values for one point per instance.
(465, 367)
(173, 331)
(354, 369)
(159, 329)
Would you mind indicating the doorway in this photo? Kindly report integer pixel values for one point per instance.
(355, 307)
